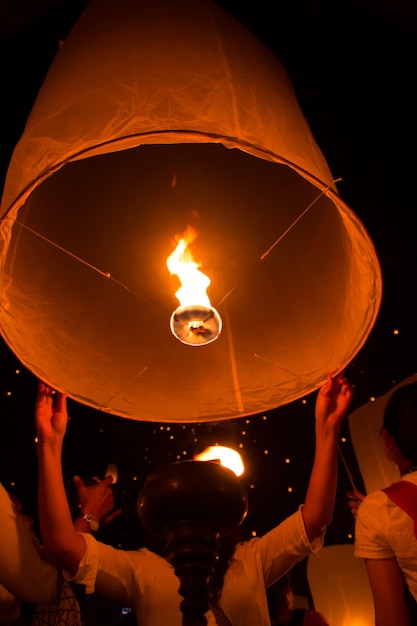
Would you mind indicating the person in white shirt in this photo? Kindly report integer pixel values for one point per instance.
(384, 532)
(144, 580)
(28, 573)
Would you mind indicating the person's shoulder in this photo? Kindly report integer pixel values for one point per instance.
(375, 498)
(410, 478)
(243, 549)
(374, 509)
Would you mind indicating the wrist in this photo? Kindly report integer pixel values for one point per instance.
(326, 429)
(49, 441)
(48, 451)
(90, 519)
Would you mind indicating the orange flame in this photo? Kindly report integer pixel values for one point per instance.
(193, 282)
(225, 456)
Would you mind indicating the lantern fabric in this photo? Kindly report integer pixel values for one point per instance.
(156, 115)
(340, 587)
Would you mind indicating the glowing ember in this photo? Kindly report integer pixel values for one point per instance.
(195, 322)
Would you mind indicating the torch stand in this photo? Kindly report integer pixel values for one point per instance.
(191, 504)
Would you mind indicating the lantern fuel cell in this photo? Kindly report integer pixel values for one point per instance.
(196, 325)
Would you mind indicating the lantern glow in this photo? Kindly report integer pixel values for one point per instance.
(195, 322)
(126, 118)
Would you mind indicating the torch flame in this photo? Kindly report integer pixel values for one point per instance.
(193, 282)
(225, 456)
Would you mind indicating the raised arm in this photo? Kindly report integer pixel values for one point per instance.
(59, 534)
(332, 404)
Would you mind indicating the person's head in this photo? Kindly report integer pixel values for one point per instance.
(400, 423)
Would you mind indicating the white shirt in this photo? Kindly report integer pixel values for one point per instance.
(25, 570)
(383, 530)
(146, 582)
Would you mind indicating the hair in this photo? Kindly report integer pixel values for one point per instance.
(278, 599)
(226, 548)
(400, 420)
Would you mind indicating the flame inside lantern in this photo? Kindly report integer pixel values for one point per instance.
(195, 322)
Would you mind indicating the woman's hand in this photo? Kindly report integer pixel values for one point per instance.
(97, 499)
(333, 400)
(332, 404)
(355, 497)
(50, 417)
(57, 529)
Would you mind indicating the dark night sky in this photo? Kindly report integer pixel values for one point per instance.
(353, 65)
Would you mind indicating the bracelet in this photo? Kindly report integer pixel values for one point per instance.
(90, 519)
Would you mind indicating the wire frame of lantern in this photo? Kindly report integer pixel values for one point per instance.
(157, 116)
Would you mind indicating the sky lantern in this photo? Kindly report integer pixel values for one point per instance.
(339, 585)
(163, 121)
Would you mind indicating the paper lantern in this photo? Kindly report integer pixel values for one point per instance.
(157, 117)
(340, 587)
